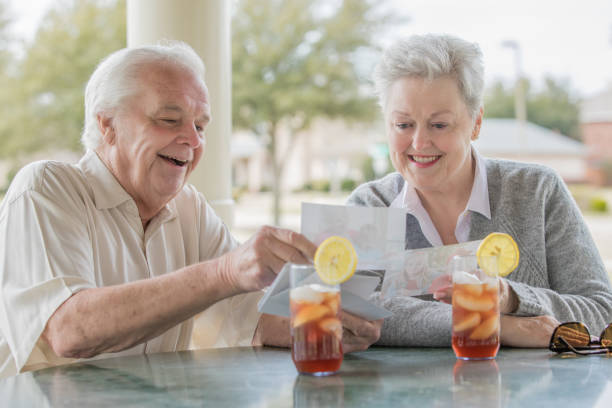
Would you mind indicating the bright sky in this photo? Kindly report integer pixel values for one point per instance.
(565, 38)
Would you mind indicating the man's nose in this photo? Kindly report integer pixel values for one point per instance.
(191, 136)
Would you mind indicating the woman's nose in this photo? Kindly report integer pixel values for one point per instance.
(420, 139)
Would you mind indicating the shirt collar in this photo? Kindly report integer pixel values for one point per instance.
(479, 197)
(107, 191)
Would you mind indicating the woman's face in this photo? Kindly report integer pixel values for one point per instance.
(430, 130)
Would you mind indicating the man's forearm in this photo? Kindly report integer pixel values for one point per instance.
(115, 318)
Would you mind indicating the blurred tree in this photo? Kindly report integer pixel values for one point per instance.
(46, 88)
(499, 101)
(5, 55)
(295, 61)
(554, 107)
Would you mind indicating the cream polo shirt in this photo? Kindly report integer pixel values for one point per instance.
(478, 202)
(65, 228)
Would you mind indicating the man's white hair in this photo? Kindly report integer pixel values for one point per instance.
(118, 77)
(432, 56)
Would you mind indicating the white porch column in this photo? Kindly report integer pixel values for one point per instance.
(205, 25)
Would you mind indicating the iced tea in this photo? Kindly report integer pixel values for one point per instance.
(316, 330)
(475, 333)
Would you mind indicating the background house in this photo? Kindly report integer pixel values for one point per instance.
(596, 126)
(334, 151)
(528, 142)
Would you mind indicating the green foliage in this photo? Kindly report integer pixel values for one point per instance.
(43, 103)
(347, 184)
(293, 61)
(499, 102)
(367, 169)
(554, 107)
(5, 22)
(598, 204)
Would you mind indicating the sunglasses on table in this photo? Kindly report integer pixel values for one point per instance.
(575, 337)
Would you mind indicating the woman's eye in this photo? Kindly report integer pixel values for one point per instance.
(402, 125)
(170, 121)
(439, 125)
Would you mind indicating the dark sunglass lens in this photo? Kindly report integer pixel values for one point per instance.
(606, 336)
(576, 334)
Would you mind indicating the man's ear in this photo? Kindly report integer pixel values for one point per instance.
(477, 124)
(105, 125)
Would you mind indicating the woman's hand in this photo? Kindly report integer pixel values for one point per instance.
(358, 334)
(442, 288)
(517, 331)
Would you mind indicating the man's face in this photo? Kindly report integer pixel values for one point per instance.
(157, 138)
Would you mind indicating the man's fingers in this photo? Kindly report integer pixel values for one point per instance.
(360, 327)
(286, 252)
(297, 241)
(274, 263)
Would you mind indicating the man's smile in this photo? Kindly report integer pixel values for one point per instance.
(174, 160)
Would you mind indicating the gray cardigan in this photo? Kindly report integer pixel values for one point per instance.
(560, 272)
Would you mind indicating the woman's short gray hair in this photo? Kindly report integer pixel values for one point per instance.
(432, 56)
(118, 77)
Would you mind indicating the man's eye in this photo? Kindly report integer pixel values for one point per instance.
(439, 125)
(402, 125)
(200, 128)
(170, 121)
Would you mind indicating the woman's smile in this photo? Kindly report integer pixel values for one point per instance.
(424, 161)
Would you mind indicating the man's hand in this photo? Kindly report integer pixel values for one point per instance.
(358, 334)
(255, 264)
(534, 331)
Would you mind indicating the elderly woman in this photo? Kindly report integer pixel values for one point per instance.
(430, 90)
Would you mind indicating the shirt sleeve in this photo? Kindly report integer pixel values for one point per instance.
(232, 321)
(45, 257)
(579, 286)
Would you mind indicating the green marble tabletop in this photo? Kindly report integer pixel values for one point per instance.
(266, 377)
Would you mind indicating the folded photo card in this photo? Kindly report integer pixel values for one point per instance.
(421, 269)
(353, 295)
(377, 233)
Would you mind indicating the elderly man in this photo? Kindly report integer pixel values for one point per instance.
(117, 253)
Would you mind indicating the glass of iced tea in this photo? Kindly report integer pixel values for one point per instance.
(316, 330)
(475, 297)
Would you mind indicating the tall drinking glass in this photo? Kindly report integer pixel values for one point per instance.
(477, 384)
(475, 332)
(316, 330)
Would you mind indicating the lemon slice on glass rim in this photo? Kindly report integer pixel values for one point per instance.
(335, 260)
(498, 254)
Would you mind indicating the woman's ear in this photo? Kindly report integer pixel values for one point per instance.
(105, 125)
(477, 124)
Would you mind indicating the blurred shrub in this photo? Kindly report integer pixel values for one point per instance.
(317, 185)
(367, 169)
(238, 192)
(589, 198)
(598, 204)
(348, 184)
(10, 175)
